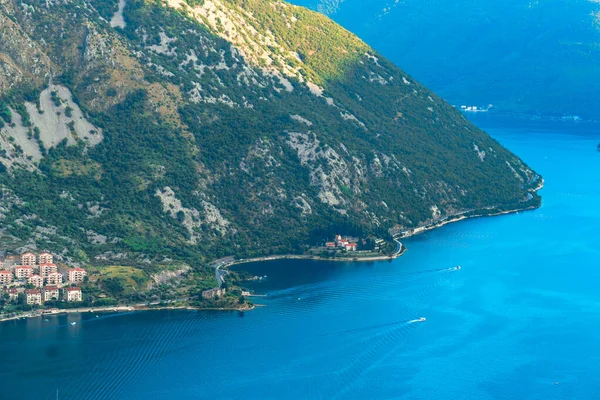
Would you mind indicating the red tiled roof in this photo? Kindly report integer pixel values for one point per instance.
(5, 272)
(77, 269)
(28, 254)
(23, 267)
(47, 265)
(50, 288)
(12, 290)
(73, 289)
(33, 291)
(45, 253)
(35, 276)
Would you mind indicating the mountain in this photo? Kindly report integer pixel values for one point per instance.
(522, 56)
(143, 130)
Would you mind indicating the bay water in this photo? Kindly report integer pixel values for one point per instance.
(519, 320)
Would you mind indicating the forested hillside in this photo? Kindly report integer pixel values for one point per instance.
(194, 130)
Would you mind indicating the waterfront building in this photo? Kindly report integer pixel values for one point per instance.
(47, 269)
(76, 275)
(45, 258)
(74, 294)
(212, 293)
(330, 244)
(339, 241)
(13, 294)
(54, 278)
(347, 243)
(350, 246)
(28, 259)
(33, 296)
(23, 271)
(36, 281)
(50, 293)
(6, 277)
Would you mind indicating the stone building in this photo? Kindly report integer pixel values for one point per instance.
(33, 296)
(47, 269)
(36, 281)
(213, 293)
(77, 275)
(54, 278)
(45, 258)
(6, 277)
(74, 294)
(23, 271)
(28, 259)
(50, 293)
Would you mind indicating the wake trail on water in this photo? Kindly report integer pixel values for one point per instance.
(370, 327)
(332, 287)
(372, 353)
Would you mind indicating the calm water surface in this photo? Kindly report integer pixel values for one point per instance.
(522, 313)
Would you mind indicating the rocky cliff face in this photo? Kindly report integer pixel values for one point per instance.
(201, 129)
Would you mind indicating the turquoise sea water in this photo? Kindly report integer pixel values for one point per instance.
(521, 314)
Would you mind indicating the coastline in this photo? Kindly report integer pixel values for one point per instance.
(115, 309)
(418, 230)
(458, 218)
(398, 253)
(462, 216)
(393, 256)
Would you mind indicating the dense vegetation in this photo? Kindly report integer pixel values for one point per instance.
(257, 165)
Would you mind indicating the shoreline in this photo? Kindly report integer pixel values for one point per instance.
(416, 231)
(462, 216)
(116, 309)
(393, 256)
(458, 218)
(401, 250)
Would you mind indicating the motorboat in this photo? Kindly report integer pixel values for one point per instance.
(422, 319)
(73, 323)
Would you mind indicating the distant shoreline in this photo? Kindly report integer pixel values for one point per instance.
(114, 309)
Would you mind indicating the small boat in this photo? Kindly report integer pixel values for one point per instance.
(598, 148)
(457, 267)
(422, 319)
(73, 323)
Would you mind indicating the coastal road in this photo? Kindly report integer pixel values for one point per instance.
(398, 248)
(219, 273)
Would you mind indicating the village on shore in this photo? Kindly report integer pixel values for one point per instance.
(33, 280)
(355, 249)
(33, 283)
